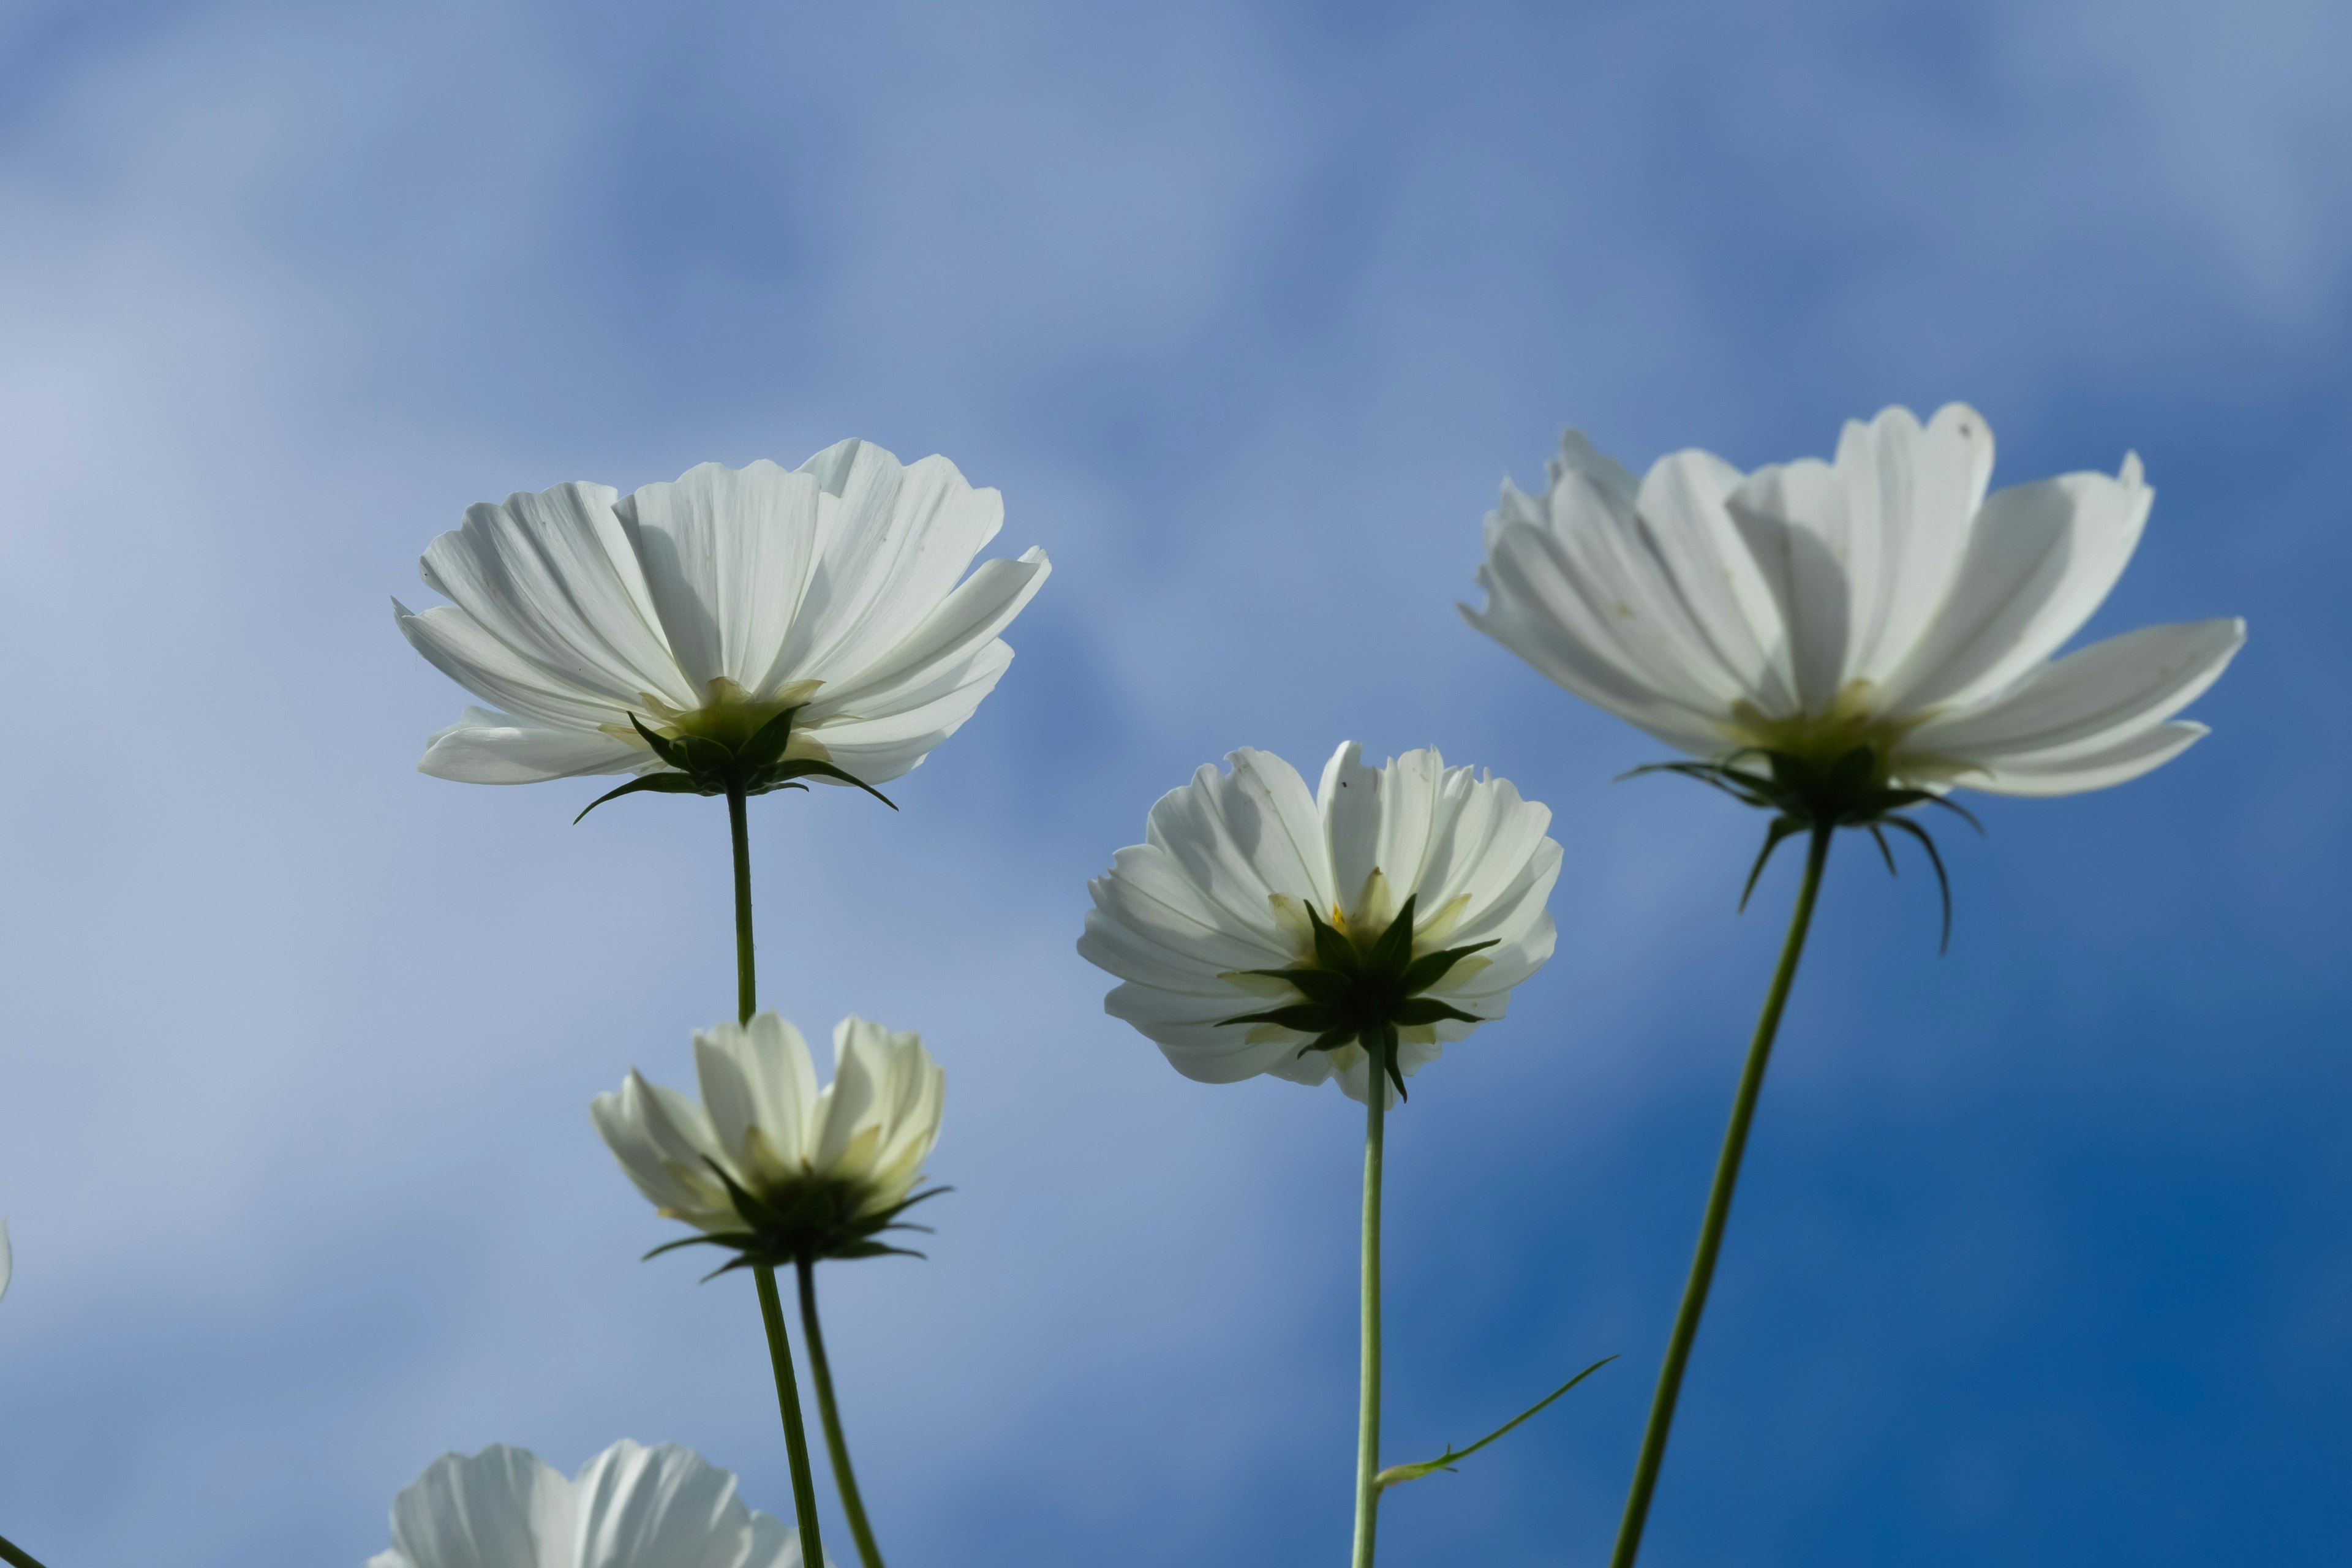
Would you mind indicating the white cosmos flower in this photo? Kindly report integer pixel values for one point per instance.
(1233, 864)
(629, 1507)
(710, 606)
(861, 1139)
(1882, 599)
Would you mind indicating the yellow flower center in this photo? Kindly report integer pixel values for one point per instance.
(1822, 738)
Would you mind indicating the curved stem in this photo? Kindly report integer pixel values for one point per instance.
(788, 1399)
(747, 982)
(1719, 1209)
(836, 1446)
(1368, 1417)
(771, 1306)
(16, 1556)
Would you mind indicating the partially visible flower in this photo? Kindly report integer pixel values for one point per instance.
(1882, 605)
(1260, 929)
(769, 1164)
(823, 600)
(629, 1507)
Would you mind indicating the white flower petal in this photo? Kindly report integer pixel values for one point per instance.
(554, 577)
(729, 555)
(483, 747)
(760, 1076)
(899, 538)
(663, 1142)
(503, 1508)
(2042, 558)
(658, 1508)
(457, 646)
(2075, 773)
(1575, 586)
(2088, 703)
(1244, 836)
(899, 728)
(1687, 518)
(933, 654)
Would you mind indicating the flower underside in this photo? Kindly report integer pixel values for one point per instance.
(808, 1220)
(1820, 791)
(730, 745)
(1363, 993)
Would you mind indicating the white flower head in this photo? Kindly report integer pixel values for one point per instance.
(705, 609)
(1231, 908)
(629, 1507)
(767, 1160)
(1881, 600)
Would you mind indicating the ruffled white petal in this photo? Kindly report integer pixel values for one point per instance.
(899, 538)
(1859, 553)
(2088, 715)
(483, 747)
(664, 1146)
(2042, 558)
(1241, 838)
(658, 1508)
(1578, 586)
(630, 1507)
(503, 1508)
(760, 1076)
(729, 555)
(554, 577)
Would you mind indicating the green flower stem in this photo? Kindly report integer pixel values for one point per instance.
(788, 1399)
(16, 1556)
(1368, 1418)
(771, 1306)
(747, 981)
(836, 1446)
(1719, 1209)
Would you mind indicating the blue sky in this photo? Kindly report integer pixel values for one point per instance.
(2043, 1254)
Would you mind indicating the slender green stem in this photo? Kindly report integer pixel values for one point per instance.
(1368, 1417)
(836, 1446)
(1719, 1209)
(16, 1556)
(747, 981)
(788, 1399)
(771, 1306)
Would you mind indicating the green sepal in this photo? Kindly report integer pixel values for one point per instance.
(1393, 951)
(1397, 1475)
(704, 766)
(766, 747)
(1419, 1011)
(659, 783)
(1333, 951)
(1432, 967)
(1305, 1017)
(782, 774)
(1807, 796)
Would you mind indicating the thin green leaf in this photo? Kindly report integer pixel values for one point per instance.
(1397, 1475)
